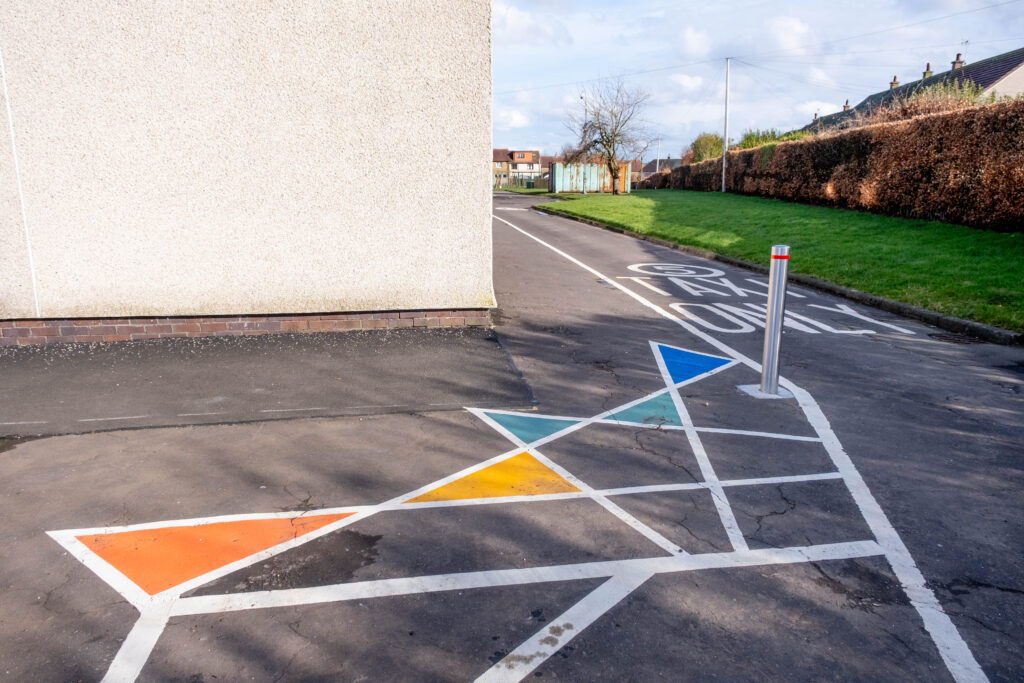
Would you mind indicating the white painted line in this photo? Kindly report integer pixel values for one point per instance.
(954, 651)
(291, 597)
(791, 479)
(732, 528)
(26, 422)
(767, 435)
(518, 664)
(137, 597)
(139, 644)
(21, 191)
(396, 405)
(763, 481)
(709, 430)
(644, 281)
(197, 521)
(847, 310)
(200, 414)
(106, 419)
(631, 521)
(289, 410)
(508, 208)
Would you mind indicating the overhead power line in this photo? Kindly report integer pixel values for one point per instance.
(766, 55)
(625, 74)
(888, 29)
(807, 57)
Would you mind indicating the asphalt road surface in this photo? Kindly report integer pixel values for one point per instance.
(610, 505)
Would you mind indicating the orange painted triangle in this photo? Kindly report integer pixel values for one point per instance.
(520, 475)
(158, 559)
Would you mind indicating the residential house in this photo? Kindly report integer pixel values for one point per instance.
(500, 166)
(525, 164)
(1001, 75)
(636, 169)
(660, 166)
(518, 165)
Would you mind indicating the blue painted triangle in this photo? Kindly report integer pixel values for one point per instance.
(683, 365)
(530, 428)
(659, 410)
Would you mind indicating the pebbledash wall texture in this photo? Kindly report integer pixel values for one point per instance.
(240, 166)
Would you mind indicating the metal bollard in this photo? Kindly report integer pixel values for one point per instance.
(773, 319)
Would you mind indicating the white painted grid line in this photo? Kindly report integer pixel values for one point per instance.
(725, 514)
(644, 281)
(107, 419)
(26, 422)
(139, 644)
(624, 573)
(601, 500)
(291, 597)
(289, 410)
(954, 651)
(535, 650)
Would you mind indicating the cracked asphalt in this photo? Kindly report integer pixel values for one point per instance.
(934, 427)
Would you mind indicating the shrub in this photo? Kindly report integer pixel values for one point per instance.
(754, 137)
(963, 167)
(706, 146)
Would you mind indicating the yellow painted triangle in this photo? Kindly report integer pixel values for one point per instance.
(520, 475)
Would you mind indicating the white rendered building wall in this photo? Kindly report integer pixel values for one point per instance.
(239, 157)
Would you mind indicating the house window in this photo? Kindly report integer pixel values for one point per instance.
(520, 155)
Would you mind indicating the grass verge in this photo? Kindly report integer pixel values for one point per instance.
(952, 269)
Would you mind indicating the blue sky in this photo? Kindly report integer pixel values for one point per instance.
(792, 58)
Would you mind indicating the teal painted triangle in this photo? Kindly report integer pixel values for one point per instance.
(659, 410)
(683, 365)
(530, 428)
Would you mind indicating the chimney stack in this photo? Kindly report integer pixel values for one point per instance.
(815, 116)
(846, 107)
(895, 84)
(957, 63)
(927, 71)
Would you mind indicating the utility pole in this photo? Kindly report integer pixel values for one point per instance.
(657, 163)
(725, 135)
(586, 147)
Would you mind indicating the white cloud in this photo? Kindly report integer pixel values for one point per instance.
(812, 107)
(790, 33)
(513, 25)
(507, 119)
(686, 82)
(820, 77)
(696, 43)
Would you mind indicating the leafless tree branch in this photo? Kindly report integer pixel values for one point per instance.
(609, 124)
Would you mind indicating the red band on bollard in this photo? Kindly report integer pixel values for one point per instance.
(784, 258)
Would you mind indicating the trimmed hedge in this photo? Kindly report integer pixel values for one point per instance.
(965, 167)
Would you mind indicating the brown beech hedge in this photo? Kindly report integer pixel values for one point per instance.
(965, 167)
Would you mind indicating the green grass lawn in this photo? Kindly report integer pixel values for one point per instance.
(953, 269)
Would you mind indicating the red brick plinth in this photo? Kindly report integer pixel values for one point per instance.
(91, 330)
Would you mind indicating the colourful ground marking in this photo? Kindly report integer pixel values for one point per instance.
(658, 410)
(683, 365)
(520, 475)
(530, 428)
(158, 559)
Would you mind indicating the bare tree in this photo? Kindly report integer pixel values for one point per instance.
(571, 153)
(609, 124)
